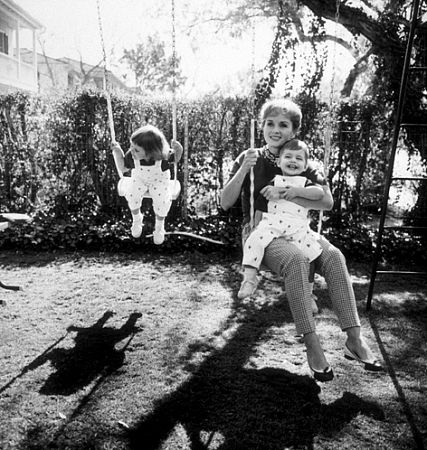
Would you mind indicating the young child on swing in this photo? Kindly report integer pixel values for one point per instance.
(147, 163)
(283, 217)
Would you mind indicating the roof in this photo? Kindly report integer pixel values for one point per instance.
(13, 9)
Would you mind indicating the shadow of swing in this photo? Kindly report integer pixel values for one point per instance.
(93, 355)
(225, 405)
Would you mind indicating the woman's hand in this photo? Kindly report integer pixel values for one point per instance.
(290, 192)
(271, 192)
(249, 160)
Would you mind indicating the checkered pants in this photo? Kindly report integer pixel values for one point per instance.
(289, 262)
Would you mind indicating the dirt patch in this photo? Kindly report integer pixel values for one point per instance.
(153, 351)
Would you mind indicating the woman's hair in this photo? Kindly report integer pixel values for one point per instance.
(295, 144)
(274, 107)
(152, 140)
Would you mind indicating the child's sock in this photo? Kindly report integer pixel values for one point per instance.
(159, 225)
(136, 229)
(159, 231)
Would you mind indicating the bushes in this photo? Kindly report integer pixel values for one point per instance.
(55, 164)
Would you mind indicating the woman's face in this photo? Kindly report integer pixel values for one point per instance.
(277, 130)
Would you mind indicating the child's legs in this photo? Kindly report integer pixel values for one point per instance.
(253, 250)
(161, 197)
(134, 194)
(289, 262)
(332, 266)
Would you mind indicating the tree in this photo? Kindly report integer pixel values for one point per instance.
(377, 38)
(153, 69)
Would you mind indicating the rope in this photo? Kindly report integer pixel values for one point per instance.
(174, 115)
(252, 133)
(252, 181)
(106, 81)
(331, 115)
(192, 235)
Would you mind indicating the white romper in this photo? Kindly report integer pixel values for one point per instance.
(149, 178)
(284, 218)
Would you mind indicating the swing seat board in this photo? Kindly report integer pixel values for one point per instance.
(15, 217)
(174, 187)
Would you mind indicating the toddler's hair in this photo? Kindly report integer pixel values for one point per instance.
(295, 144)
(286, 106)
(153, 141)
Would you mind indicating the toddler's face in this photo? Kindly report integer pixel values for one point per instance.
(292, 162)
(137, 151)
(277, 130)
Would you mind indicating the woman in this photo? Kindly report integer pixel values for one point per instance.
(281, 120)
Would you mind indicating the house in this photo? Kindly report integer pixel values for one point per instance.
(60, 74)
(17, 30)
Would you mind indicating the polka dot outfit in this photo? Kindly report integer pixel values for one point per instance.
(149, 178)
(284, 218)
(288, 261)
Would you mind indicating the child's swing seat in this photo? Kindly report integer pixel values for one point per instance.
(174, 188)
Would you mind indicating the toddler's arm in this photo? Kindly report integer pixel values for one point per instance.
(177, 150)
(119, 157)
(309, 193)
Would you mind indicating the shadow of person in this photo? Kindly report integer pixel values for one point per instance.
(93, 354)
(226, 405)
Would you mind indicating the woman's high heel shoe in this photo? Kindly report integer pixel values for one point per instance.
(324, 375)
(373, 366)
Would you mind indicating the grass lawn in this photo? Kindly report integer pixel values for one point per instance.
(151, 351)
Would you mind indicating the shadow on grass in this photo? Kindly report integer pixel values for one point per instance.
(93, 354)
(229, 405)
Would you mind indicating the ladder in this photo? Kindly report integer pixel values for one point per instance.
(418, 24)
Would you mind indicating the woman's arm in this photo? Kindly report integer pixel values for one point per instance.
(232, 189)
(325, 203)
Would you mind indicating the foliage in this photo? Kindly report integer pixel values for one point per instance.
(154, 71)
(62, 146)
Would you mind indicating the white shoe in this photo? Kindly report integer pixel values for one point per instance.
(136, 229)
(159, 236)
(247, 288)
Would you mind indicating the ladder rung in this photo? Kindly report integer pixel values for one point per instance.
(413, 124)
(417, 68)
(409, 178)
(400, 272)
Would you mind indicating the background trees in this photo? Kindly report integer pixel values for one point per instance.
(153, 69)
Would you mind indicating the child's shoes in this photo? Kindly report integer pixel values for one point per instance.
(159, 236)
(136, 229)
(247, 288)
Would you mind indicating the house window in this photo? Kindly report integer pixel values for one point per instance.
(4, 43)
